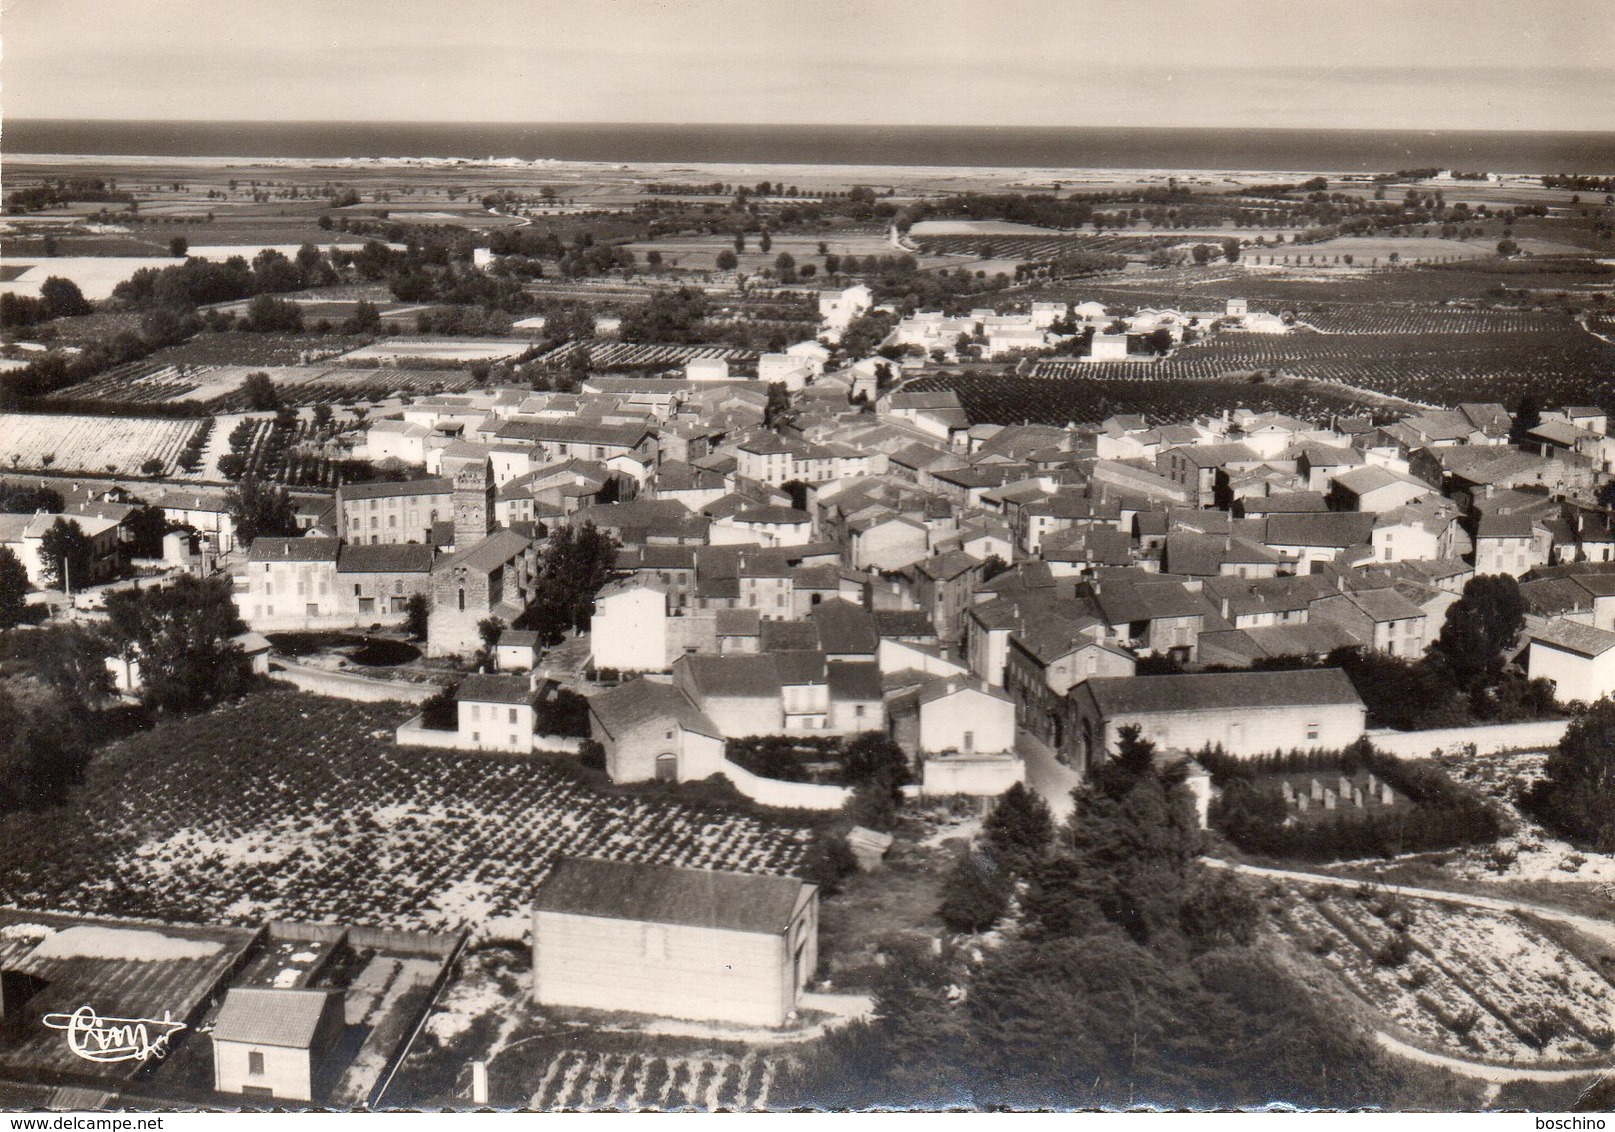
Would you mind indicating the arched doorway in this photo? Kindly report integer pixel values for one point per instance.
(667, 767)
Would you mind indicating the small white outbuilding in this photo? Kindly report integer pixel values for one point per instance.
(676, 942)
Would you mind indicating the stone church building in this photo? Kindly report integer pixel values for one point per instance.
(490, 573)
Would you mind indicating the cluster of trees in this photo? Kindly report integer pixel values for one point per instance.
(63, 191)
(1576, 795)
(1431, 811)
(58, 298)
(1015, 838)
(181, 635)
(46, 716)
(459, 287)
(1463, 678)
(51, 713)
(14, 588)
(1071, 265)
(576, 562)
(1136, 978)
(1579, 182)
(198, 282)
(260, 510)
(670, 316)
(190, 457)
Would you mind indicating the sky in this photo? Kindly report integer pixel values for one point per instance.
(1323, 64)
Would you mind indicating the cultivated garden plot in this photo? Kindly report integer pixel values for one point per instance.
(393, 351)
(591, 1080)
(634, 355)
(64, 442)
(1393, 320)
(1530, 852)
(1040, 400)
(1565, 365)
(1051, 246)
(220, 388)
(1462, 981)
(290, 806)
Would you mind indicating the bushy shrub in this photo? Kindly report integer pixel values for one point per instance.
(975, 894)
(1574, 796)
(829, 861)
(592, 755)
(440, 713)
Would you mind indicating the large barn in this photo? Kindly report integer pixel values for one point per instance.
(683, 943)
(1246, 713)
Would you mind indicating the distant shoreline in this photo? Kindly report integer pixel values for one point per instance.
(1068, 151)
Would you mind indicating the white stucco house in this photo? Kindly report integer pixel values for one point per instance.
(270, 1042)
(628, 631)
(1579, 659)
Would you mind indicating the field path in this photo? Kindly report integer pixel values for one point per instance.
(1602, 929)
(1497, 1074)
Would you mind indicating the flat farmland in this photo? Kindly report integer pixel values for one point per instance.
(991, 398)
(927, 228)
(98, 445)
(1365, 249)
(700, 253)
(218, 388)
(436, 213)
(635, 355)
(448, 350)
(1564, 365)
(256, 350)
(1021, 247)
(289, 806)
(1300, 287)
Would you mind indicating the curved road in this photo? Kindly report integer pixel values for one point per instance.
(1601, 929)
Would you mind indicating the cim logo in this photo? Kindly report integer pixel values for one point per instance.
(106, 1040)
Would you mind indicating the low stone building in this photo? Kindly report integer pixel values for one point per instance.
(652, 731)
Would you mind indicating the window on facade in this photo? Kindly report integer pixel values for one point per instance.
(462, 601)
(513, 715)
(255, 1063)
(970, 741)
(1312, 732)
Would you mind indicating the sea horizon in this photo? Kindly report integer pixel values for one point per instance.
(1006, 147)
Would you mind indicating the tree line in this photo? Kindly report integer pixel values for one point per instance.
(1131, 974)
